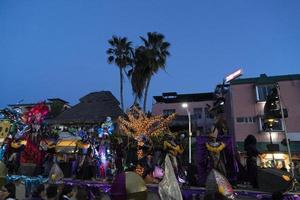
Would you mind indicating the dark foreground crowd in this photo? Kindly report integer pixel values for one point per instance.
(68, 192)
(49, 192)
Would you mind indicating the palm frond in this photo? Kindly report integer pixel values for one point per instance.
(110, 59)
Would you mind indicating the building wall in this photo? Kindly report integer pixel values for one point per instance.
(290, 92)
(199, 125)
(244, 104)
(158, 108)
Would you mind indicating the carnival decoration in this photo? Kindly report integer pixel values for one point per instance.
(82, 134)
(142, 127)
(103, 152)
(22, 130)
(158, 172)
(55, 174)
(36, 114)
(171, 146)
(106, 128)
(216, 182)
(168, 188)
(27, 181)
(48, 145)
(11, 114)
(4, 129)
(32, 153)
(16, 144)
(215, 147)
(2, 151)
(138, 124)
(12, 123)
(128, 185)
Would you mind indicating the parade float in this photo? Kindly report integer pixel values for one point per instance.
(143, 153)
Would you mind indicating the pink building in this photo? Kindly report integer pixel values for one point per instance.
(172, 102)
(247, 98)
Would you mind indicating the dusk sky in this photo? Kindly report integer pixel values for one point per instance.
(56, 48)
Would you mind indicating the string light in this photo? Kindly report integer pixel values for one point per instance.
(139, 124)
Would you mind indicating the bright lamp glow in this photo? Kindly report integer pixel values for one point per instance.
(234, 75)
(184, 105)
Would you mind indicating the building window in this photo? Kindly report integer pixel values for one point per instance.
(198, 113)
(168, 111)
(276, 127)
(246, 120)
(240, 120)
(262, 91)
(250, 120)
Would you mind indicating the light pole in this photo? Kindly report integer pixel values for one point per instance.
(185, 105)
(285, 131)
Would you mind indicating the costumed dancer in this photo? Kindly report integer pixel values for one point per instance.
(16, 148)
(85, 163)
(169, 188)
(174, 149)
(145, 165)
(103, 162)
(48, 146)
(119, 146)
(104, 154)
(216, 157)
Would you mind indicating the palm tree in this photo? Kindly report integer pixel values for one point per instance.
(120, 53)
(140, 72)
(156, 50)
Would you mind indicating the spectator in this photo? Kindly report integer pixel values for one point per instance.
(39, 193)
(252, 153)
(9, 188)
(66, 193)
(277, 196)
(3, 193)
(82, 194)
(51, 192)
(214, 196)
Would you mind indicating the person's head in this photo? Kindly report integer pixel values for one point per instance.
(214, 196)
(51, 192)
(250, 140)
(39, 191)
(3, 193)
(67, 190)
(11, 189)
(82, 194)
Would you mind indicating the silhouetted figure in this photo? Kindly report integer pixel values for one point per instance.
(11, 189)
(215, 196)
(252, 153)
(51, 192)
(67, 193)
(82, 194)
(38, 193)
(277, 196)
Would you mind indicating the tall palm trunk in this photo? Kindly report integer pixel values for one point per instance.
(135, 100)
(146, 94)
(121, 88)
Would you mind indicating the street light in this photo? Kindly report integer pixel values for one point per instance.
(185, 105)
